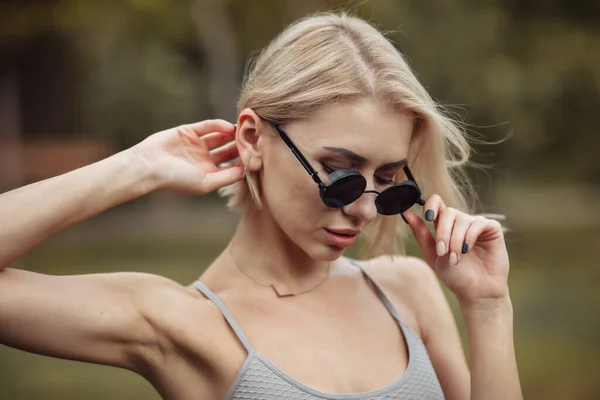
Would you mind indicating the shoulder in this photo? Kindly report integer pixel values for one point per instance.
(190, 334)
(173, 312)
(411, 275)
(155, 294)
(170, 306)
(410, 282)
(149, 292)
(402, 270)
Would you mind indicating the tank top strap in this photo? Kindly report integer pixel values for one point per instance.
(386, 302)
(228, 316)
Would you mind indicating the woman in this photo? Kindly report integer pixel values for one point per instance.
(329, 99)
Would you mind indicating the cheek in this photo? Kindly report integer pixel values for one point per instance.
(292, 197)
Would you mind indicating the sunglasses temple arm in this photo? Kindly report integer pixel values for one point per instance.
(404, 218)
(410, 176)
(314, 175)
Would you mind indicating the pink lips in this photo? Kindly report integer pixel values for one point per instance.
(341, 237)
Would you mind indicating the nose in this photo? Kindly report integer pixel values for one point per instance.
(363, 208)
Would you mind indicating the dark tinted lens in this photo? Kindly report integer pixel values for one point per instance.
(397, 199)
(344, 190)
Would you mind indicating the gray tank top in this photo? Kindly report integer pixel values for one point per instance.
(259, 379)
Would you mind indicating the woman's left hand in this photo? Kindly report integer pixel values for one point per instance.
(467, 252)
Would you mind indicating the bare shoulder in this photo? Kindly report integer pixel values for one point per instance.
(402, 270)
(181, 317)
(410, 282)
(410, 275)
(190, 329)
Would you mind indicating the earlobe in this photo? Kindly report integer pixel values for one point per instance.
(251, 163)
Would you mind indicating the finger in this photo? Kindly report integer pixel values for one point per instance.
(224, 153)
(445, 223)
(432, 207)
(216, 139)
(209, 126)
(223, 177)
(423, 236)
(480, 228)
(457, 240)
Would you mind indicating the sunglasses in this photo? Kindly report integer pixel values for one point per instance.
(346, 186)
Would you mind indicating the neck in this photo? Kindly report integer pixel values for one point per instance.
(265, 253)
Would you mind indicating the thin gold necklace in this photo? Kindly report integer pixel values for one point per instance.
(272, 285)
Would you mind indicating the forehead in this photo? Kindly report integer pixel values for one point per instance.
(363, 127)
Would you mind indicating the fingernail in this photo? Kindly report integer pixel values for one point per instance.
(465, 247)
(441, 248)
(453, 258)
(429, 215)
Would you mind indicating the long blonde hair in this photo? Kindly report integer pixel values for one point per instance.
(336, 57)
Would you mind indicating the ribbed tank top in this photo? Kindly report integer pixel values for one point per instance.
(259, 379)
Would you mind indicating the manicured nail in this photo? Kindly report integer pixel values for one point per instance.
(465, 247)
(441, 248)
(429, 215)
(453, 258)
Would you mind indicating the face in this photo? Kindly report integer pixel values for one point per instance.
(361, 136)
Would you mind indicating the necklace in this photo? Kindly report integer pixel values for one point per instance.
(272, 285)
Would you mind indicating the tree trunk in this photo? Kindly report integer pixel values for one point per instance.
(216, 35)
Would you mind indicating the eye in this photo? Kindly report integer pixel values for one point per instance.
(384, 181)
(328, 170)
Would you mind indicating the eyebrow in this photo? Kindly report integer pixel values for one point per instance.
(360, 159)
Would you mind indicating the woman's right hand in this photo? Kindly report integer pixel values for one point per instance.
(186, 159)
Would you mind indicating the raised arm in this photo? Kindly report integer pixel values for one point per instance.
(469, 255)
(100, 318)
(32, 213)
(178, 159)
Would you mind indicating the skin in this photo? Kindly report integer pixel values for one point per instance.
(179, 341)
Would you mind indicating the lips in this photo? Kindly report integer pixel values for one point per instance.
(345, 232)
(341, 237)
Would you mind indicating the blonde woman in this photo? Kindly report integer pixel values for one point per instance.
(335, 138)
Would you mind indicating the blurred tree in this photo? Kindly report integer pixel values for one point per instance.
(217, 37)
(503, 66)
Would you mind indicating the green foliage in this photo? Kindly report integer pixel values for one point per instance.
(522, 70)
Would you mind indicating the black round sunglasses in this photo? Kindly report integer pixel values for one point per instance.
(347, 185)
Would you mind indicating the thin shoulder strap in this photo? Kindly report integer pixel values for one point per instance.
(232, 322)
(379, 292)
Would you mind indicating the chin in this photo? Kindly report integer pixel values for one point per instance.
(324, 252)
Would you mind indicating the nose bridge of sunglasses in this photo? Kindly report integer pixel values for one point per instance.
(372, 191)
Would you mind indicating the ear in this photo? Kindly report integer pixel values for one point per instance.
(247, 140)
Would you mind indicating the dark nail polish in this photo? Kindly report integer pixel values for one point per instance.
(429, 215)
(402, 215)
(465, 247)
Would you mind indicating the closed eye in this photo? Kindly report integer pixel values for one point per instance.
(379, 180)
(384, 181)
(328, 170)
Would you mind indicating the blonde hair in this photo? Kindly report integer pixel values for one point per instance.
(336, 57)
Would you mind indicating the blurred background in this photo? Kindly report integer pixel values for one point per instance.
(80, 80)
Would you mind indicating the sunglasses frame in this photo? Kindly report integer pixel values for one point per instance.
(344, 174)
